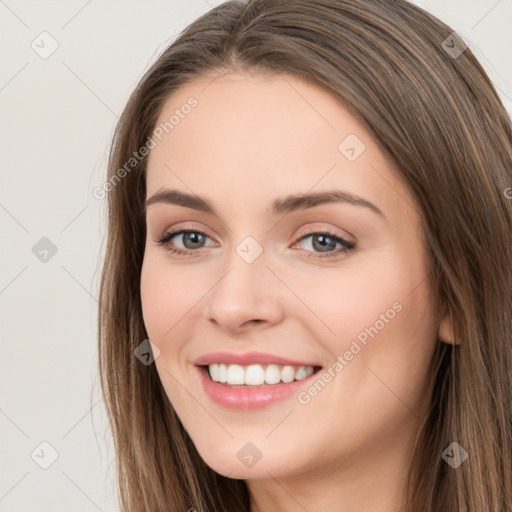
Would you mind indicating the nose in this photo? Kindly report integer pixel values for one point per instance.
(246, 295)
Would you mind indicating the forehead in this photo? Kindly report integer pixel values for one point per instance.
(263, 136)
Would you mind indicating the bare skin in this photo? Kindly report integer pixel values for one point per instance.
(250, 140)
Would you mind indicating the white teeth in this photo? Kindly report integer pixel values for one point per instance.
(223, 373)
(272, 374)
(288, 374)
(235, 375)
(256, 374)
(214, 372)
(301, 374)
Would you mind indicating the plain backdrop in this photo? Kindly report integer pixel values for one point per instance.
(57, 115)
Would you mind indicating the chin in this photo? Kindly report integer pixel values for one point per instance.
(245, 463)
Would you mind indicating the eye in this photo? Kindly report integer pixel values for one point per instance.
(325, 243)
(191, 239)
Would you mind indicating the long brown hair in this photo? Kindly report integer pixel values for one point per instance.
(436, 113)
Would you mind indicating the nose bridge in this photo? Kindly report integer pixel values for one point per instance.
(249, 250)
(246, 270)
(247, 289)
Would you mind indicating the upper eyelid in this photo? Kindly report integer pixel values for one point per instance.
(332, 230)
(181, 231)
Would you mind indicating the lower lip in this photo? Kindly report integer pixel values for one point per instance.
(249, 397)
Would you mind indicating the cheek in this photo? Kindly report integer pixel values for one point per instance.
(171, 296)
(348, 301)
(379, 316)
(163, 297)
(386, 336)
(381, 290)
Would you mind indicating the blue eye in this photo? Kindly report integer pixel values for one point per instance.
(188, 237)
(323, 242)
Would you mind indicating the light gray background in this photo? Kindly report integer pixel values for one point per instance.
(57, 118)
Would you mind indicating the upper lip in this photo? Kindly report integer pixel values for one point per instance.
(248, 358)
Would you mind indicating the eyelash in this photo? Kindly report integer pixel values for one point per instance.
(347, 246)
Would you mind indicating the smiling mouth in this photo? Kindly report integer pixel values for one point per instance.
(257, 375)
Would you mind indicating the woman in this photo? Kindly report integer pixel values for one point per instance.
(310, 219)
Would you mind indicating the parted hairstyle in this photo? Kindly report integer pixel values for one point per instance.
(439, 119)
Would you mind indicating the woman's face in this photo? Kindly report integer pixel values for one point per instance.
(260, 169)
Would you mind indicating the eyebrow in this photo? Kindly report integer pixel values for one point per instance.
(281, 206)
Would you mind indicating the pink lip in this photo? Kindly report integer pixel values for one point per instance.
(248, 358)
(250, 397)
